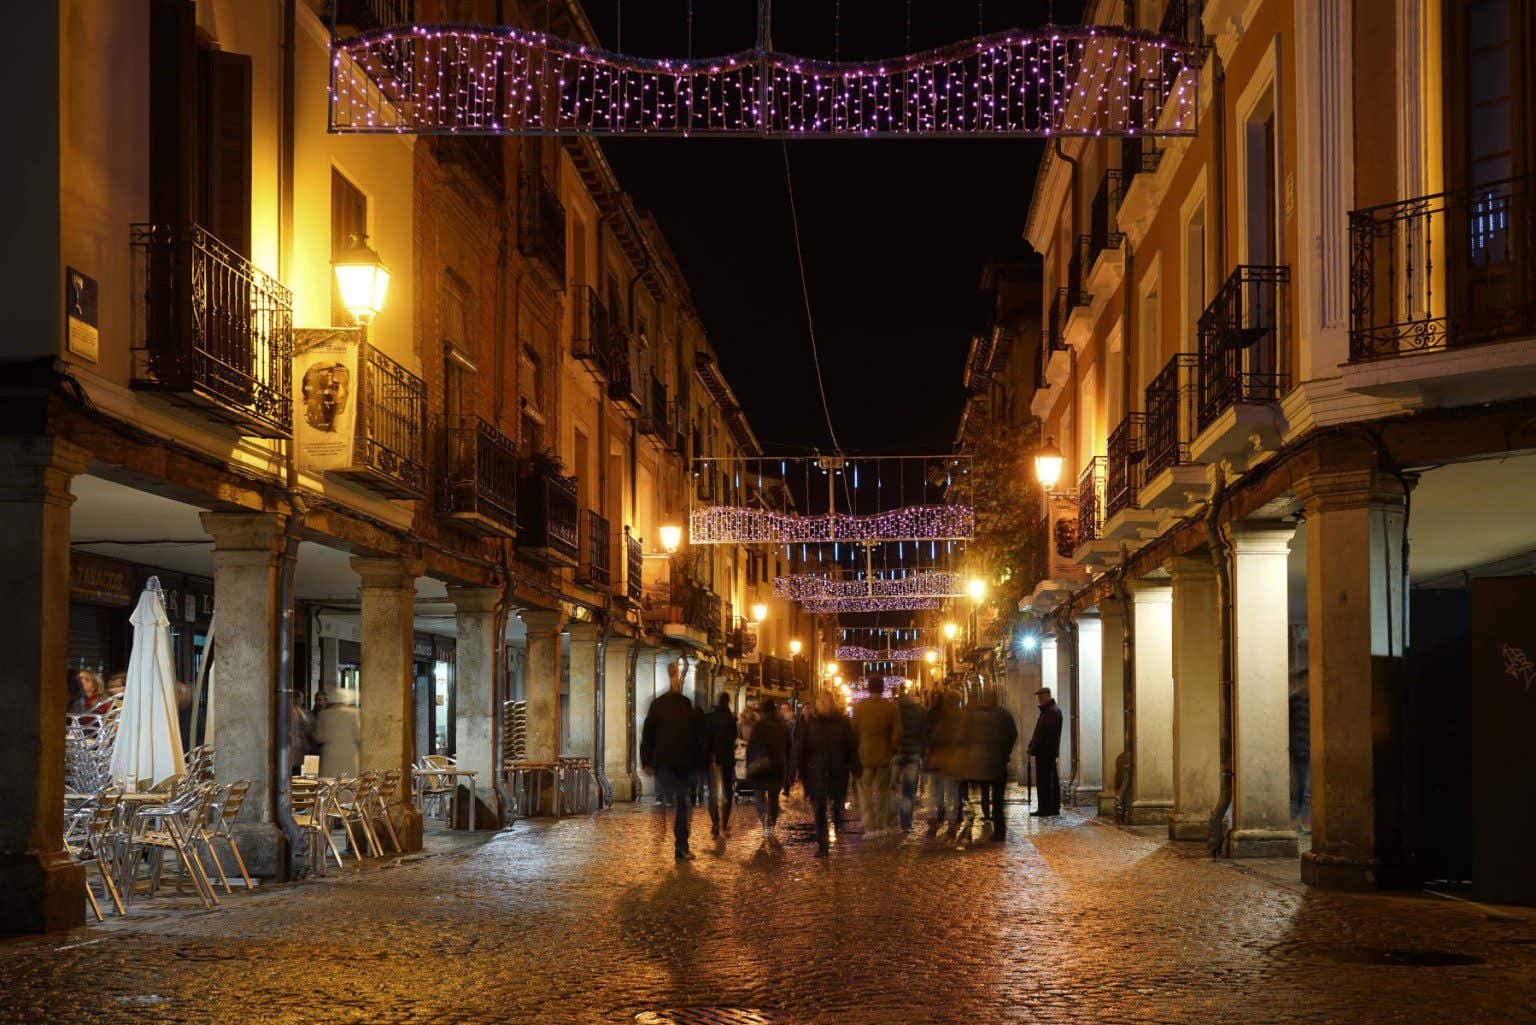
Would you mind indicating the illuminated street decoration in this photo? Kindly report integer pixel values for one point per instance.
(854, 653)
(730, 524)
(930, 584)
(1091, 80)
(826, 606)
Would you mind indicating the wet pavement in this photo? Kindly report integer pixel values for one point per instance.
(590, 920)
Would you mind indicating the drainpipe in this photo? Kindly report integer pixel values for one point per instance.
(604, 788)
(1066, 635)
(1221, 563)
(500, 619)
(1126, 791)
(631, 667)
(1061, 154)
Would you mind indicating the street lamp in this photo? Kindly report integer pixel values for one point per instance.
(671, 537)
(978, 588)
(1048, 460)
(759, 612)
(795, 646)
(932, 656)
(362, 279)
(829, 670)
(950, 629)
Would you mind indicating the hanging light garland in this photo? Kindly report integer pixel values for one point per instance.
(1088, 80)
(824, 606)
(732, 524)
(803, 586)
(854, 653)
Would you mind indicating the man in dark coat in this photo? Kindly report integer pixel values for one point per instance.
(768, 767)
(828, 756)
(720, 731)
(670, 743)
(1044, 747)
(999, 735)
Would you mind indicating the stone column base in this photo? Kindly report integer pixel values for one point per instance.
(486, 816)
(1189, 827)
(1106, 804)
(41, 893)
(264, 849)
(623, 785)
(1330, 872)
(1089, 797)
(406, 819)
(1150, 813)
(1264, 843)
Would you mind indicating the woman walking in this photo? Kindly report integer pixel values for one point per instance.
(767, 767)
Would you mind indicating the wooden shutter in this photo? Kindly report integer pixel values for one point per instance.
(172, 107)
(224, 148)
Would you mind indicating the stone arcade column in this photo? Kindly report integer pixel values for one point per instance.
(1196, 698)
(475, 702)
(1354, 526)
(541, 687)
(40, 885)
(247, 552)
(1261, 810)
(386, 709)
(582, 738)
(1090, 689)
(1152, 609)
(618, 695)
(1111, 700)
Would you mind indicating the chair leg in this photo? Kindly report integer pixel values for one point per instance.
(106, 878)
(223, 875)
(91, 896)
(389, 825)
(331, 840)
(234, 849)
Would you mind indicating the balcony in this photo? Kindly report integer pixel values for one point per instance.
(632, 588)
(1443, 296)
(1142, 186)
(549, 529)
(1184, 19)
(654, 419)
(366, 15)
(678, 442)
(1124, 474)
(1244, 338)
(214, 333)
(1093, 548)
(1052, 364)
(477, 489)
(1169, 479)
(595, 568)
(389, 452)
(687, 612)
(476, 162)
(590, 335)
(541, 225)
(624, 386)
(1106, 242)
(1076, 301)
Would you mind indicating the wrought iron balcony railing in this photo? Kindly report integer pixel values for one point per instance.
(1170, 414)
(590, 335)
(1139, 155)
(634, 567)
(1184, 19)
(654, 420)
(1090, 501)
(548, 524)
(623, 380)
(596, 557)
(541, 223)
(214, 332)
(478, 161)
(1103, 224)
(1244, 333)
(366, 15)
(1126, 464)
(477, 488)
(1039, 554)
(1077, 267)
(389, 452)
(1443, 271)
(678, 441)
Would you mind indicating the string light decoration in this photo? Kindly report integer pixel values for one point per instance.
(1087, 80)
(803, 586)
(731, 524)
(854, 653)
(827, 606)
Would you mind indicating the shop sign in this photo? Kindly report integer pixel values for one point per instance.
(102, 581)
(326, 388)
(421, 648)
(82, 302)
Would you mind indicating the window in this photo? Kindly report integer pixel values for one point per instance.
(349, 218)
(1260, 181)
(1194, 271)
(1148, 341)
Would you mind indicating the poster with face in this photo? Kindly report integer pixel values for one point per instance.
(325, 398)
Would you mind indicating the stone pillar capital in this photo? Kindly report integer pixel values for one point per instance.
(1338, 490)
(1190, 569)
(1262, 537)
(389, 573)
(245, 532)
(37, 468)
(474, 600)
(542, 621)
(1150, 592)
(584, 633)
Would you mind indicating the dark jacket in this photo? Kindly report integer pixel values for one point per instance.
(914, 732)
(671, 738)
(828, 755)
(999, 734)
(941, 730)
(720, 727)
(1046, 740)
(768, 753)
(1300, 714)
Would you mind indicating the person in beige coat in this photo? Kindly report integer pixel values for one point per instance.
(339, 735)
(877, 727)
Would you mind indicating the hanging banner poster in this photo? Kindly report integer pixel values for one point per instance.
(325, 394)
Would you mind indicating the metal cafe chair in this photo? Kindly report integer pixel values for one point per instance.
(172, 827)
(309, 801)
(438, 790)
(350, 802)
(378, 796)
(526, 780)
(88, 839)
(218, 825)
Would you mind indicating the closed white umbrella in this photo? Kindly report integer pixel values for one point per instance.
(148, 749)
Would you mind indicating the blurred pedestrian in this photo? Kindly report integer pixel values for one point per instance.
(720, 729)
(909, 755)
(942, 728)
(1300, 716)
(999, 734)
(339, 735)
(877, 725)
(94, 699)
(670, 743)
(300, 732)
(829, 755)
(1044, 747)
(767, 766)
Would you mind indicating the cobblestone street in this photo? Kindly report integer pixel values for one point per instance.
(590, 920)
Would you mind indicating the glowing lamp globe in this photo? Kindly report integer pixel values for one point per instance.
(1048, 460)
(932, 657)
(795, 646)
(671, 538)
(362, 280)
(978, 588)
(950, 630)
(759, 612)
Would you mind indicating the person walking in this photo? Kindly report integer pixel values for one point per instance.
(1044, 747)
(941, 727)
(999, 734)
(877, 725)
(670, 743)
(768, 767)
(909, 755)
(1299, 713)
(829, 754)
(720, 729)
(339, 735)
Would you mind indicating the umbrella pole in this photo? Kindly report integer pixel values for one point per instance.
(202, 681)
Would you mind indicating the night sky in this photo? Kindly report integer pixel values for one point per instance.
(895, 232)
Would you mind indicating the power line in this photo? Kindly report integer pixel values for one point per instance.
(805, 294)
